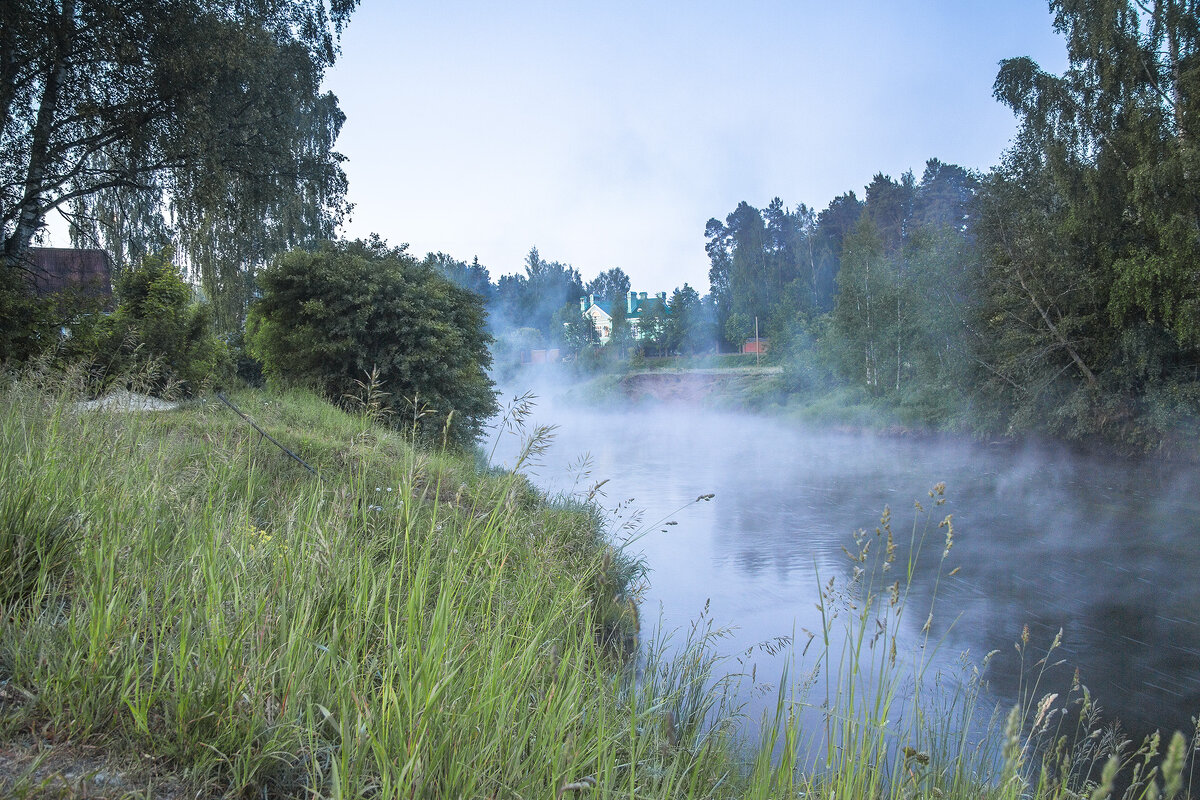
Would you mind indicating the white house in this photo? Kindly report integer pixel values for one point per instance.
(600, 313)
(638, 306)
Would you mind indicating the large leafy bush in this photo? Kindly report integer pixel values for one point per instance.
(330, 317)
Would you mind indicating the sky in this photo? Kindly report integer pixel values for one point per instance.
(607, 134)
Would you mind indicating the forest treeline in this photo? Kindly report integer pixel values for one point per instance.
(1058, 293)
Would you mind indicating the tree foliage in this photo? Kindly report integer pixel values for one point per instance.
(473, 277)
(689, 327)
(611, 285)
(876, 294)
(779, 264)
(330, 317)
(145, 120)
(1091, 226)
(860, 318)
(160, 326)
(538, 299)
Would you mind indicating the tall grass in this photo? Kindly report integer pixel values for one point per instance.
(176, 590)
(402, 624)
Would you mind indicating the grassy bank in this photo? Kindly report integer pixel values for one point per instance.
(175, 586)
(735, 382)
(807, 393)
(185, 611)
(707, 361)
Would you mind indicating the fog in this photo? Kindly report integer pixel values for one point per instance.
(1044, 536)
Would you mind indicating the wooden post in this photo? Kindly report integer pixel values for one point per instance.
(757, 343)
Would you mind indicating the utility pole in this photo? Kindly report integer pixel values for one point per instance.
(757, 343)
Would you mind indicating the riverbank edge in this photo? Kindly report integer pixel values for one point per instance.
(54, 459)
(573, 721)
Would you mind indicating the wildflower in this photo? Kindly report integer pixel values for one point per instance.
(258, 539)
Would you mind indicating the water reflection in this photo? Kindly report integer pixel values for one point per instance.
(1102, 549)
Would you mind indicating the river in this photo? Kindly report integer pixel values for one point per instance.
(1106, 550)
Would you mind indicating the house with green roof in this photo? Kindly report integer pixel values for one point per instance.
(600, 313)
(641, 312)
(640, 309)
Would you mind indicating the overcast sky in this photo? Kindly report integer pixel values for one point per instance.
(607, 134)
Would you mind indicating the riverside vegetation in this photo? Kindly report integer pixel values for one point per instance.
(179, 597)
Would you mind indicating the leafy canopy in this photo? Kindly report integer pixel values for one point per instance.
(330, 317)
(145, 120)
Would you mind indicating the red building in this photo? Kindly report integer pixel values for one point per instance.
(756, 346)
(58, 269)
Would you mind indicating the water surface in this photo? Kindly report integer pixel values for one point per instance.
(1106, 550)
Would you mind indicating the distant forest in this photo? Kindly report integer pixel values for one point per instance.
(1058, 293)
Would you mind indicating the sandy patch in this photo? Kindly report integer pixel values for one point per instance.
(124, 400)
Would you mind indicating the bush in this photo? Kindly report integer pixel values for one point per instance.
(248, 369)
(592, 358)
(31, 324)
(159, 324)
(328, 319)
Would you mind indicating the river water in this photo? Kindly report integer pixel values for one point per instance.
(1106, 550)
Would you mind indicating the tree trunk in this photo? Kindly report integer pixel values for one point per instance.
(31, 214)
(897, 340)
(8, 66)
(1054, 331)
(872, 371)
(1173, 55)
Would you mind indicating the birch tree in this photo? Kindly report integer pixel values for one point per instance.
(139, 121)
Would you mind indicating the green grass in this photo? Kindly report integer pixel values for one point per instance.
(182, 597)
(400, 621)
(711, 361)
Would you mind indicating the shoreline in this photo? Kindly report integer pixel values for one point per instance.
(749, 390)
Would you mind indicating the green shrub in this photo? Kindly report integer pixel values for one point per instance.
(248, 369)
(329, 318)
(159, 324)
(593, 358)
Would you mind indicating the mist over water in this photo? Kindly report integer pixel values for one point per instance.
(1104, 549)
